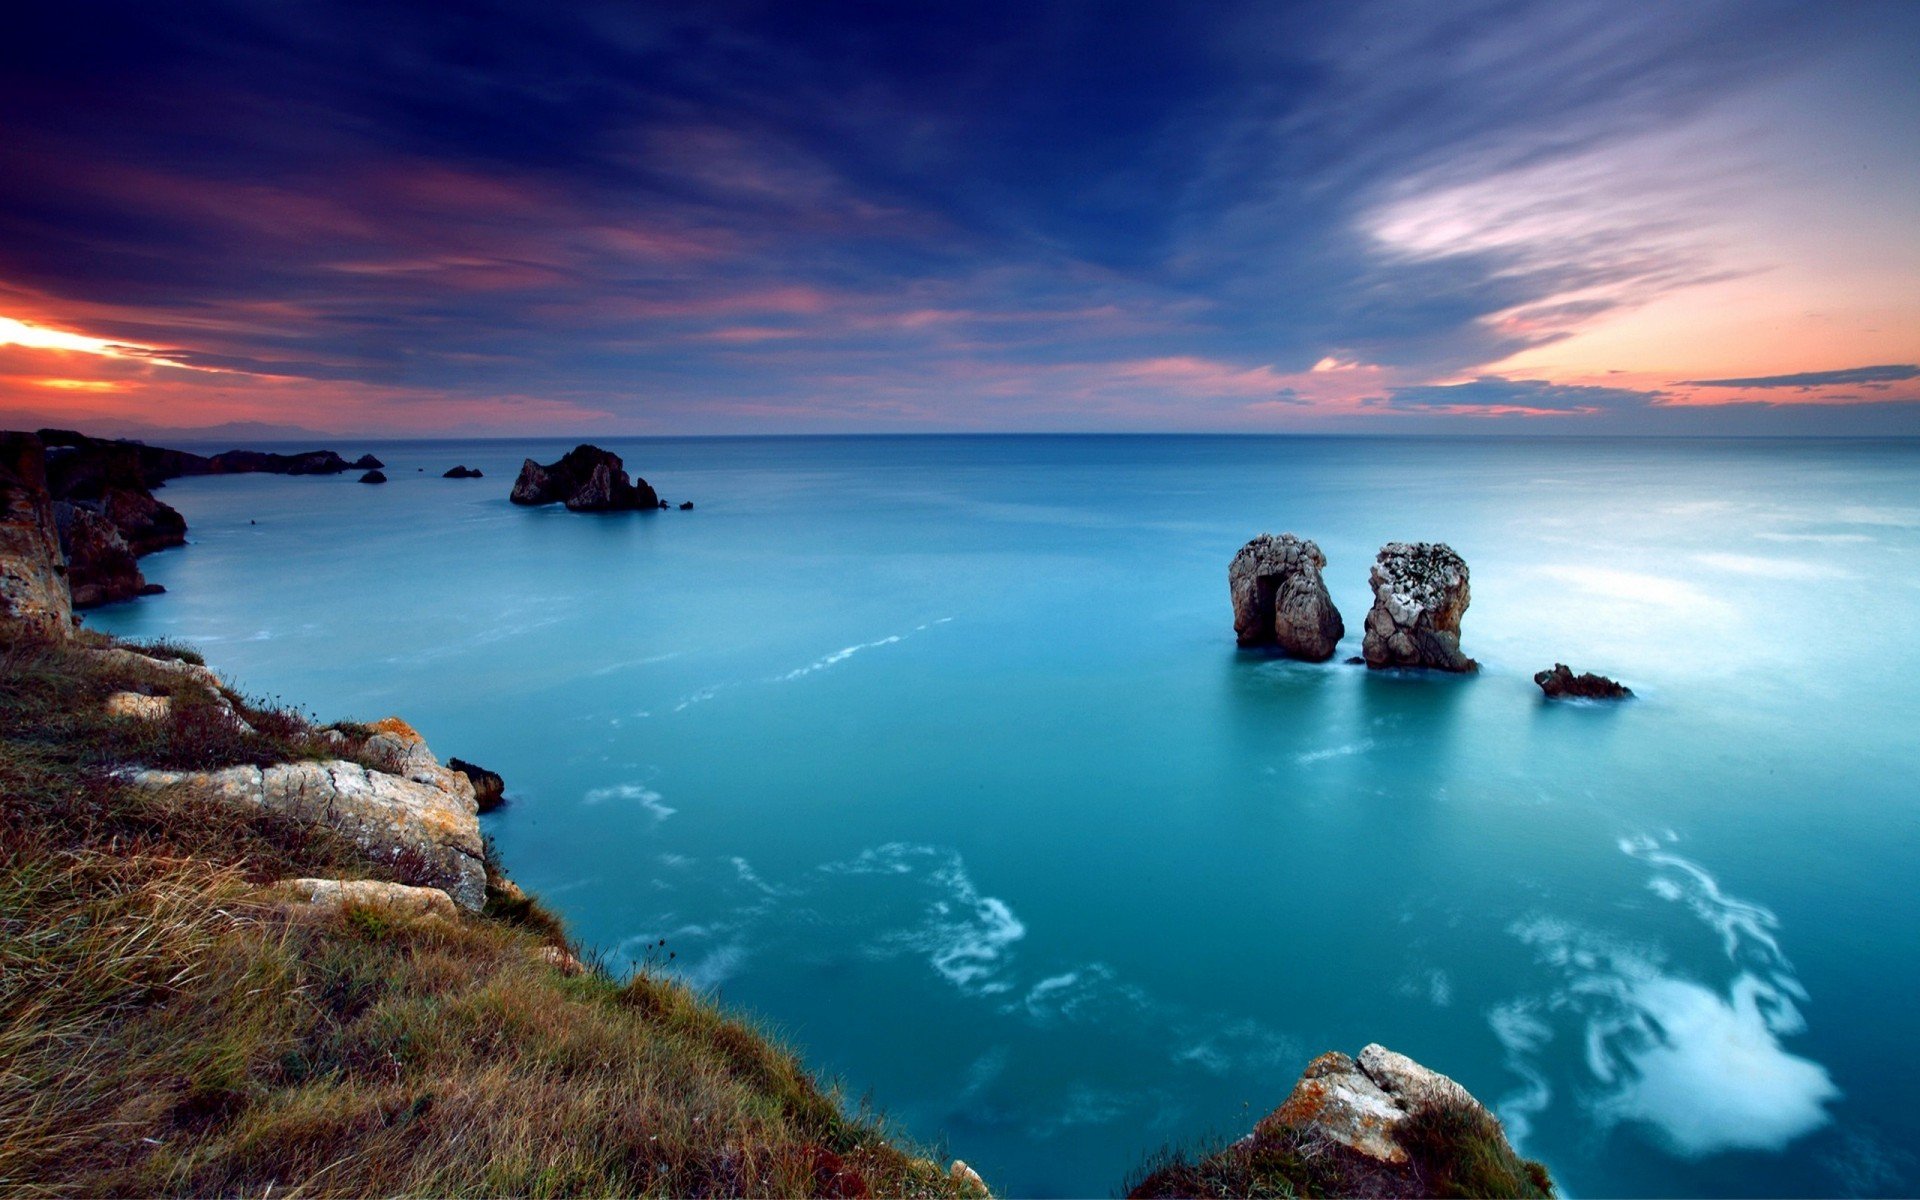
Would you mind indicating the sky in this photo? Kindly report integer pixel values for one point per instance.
(525, 218)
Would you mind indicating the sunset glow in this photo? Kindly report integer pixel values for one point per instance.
(1255, 241)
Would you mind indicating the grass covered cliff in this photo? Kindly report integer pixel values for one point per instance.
(169, 1024)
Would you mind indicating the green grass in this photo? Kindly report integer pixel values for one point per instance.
(167, 1030)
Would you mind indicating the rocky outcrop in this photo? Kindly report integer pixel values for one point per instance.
(367, 462)
(1279, 598)
(489, 790)
(1361, 1104)
(462, 472)
(249, 462)
(1419, 595)
(335, 895)
(586, 479)
(374, 477)
(1380, 1125)
(113, 481)
(139, 707)
(33, 583)
(1562, 683)
(101, 567)
(418, 814)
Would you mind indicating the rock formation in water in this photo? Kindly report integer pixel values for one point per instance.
(489, 790)
(462, 472)
(1561, 682)
(1419, 595)
(367, 462)
(586, 479)
(1381, 1125)
(1280, 599)
(374, 477)
(33, 584)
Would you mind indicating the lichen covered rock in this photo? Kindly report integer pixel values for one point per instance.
(333, 895)
(423, 812)
(1420, 592)
(1280, 599)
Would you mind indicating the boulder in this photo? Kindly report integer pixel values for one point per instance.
(33, 583)
(334, 895)
(134, 706)
(462, 472)
(489, 790)
(419, 812)
(1419, 595)
(374, 477)
(686, 506)
(1280, 599)
(1561, 683)
(1362, 1104)
(367, 462)
(585, 479)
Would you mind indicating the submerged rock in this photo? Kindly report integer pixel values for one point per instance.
(33, 585)
(1562, 682)
(586, 479)
(1279, 598)
(374, 477)
(1420, 593)
(462, 472)
(489, 790)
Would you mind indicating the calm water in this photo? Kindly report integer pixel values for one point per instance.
(937, 754)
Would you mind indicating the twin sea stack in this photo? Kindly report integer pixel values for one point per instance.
(586, 479)
(1419, 595)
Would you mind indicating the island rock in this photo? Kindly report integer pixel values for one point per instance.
(367, 462)
(1561, 683)
(462, 472)
(374, 477)
(1280, 599)
(1419, 595)
(586, 479)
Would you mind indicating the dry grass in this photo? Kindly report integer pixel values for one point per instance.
(164, 1031)
(1453, 1152)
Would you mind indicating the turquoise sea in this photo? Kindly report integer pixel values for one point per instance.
(937, 755)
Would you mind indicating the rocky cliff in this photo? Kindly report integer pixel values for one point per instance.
(33, 584)
(1279, 598)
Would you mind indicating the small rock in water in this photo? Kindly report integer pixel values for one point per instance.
(462, 472)
(367, 462)
(373, 477)
(686, 506)
(1562, 682)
